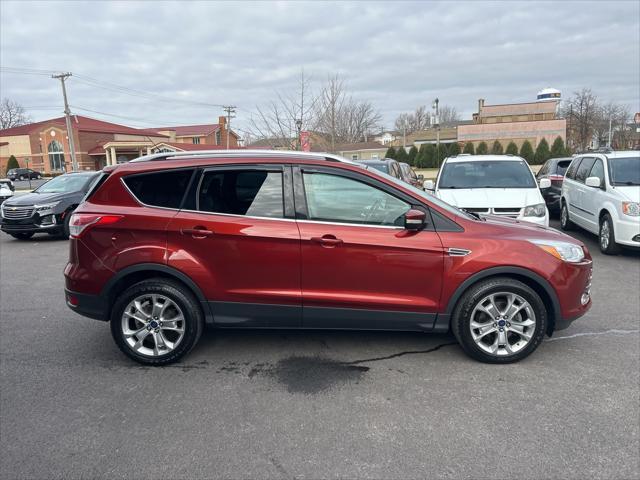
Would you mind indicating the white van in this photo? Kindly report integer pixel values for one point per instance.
(501, 185)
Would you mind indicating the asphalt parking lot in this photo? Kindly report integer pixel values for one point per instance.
(312, 405)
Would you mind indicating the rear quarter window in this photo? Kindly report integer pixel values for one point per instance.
(160, 189)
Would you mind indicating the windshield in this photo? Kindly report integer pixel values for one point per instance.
(65, 184)
(426, 196)
(624, 171)
(487, 174)
(382, 167)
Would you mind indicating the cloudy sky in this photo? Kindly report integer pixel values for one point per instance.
(396, 55)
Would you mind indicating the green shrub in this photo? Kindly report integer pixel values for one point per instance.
(482, 149)
(496, 148)
(512, 149)
(526, 151)
(391, 153)
(12, 163)
(469, 148)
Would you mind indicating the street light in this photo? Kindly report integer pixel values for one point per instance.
(299, 127)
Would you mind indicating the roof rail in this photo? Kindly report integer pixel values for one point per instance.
(239, 153)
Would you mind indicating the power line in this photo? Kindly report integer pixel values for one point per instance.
(137, 119)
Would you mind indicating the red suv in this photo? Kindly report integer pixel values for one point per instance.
(170, 242)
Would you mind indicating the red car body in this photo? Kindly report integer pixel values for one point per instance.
(293, 272)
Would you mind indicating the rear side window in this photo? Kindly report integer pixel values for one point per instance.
(160, 189)
(583, 170)
(562, 166)
(571, 172)
(255, 193)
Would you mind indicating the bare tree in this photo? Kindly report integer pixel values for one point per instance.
(340, 117)
(616, 117)
(582, 113)
(280, 121)
(12, 114)
(448, 114)
(412, 122)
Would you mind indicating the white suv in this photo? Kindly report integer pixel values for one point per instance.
(501, 185)
(601, 193)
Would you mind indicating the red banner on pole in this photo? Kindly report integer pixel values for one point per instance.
(305, 141)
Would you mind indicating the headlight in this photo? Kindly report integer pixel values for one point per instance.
(631, 208)
(538, 210)
(45, 206)
(565, 251)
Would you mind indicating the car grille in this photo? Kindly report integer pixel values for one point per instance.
(17, 212)
(507, 212)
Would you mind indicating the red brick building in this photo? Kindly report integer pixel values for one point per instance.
(44, 146)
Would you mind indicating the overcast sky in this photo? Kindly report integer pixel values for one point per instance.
(396, 55)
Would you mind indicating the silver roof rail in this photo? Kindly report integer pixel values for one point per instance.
(240, 153)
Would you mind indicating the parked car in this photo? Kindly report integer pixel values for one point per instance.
(169, 242)
(601, 193)
(48, 208)
(501, 185)
(23, 174)
(386, 165)
(554, 170)
(409, 175)
(6, 189)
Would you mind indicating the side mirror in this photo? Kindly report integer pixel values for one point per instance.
(414, 219)
(545, 183)
(593, 182)
(428, 185)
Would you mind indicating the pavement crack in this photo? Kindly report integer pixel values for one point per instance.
(613, 331)
(400, 354)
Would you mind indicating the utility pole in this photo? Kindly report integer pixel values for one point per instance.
(67, 113)
(299, 128)
(437, 121)
(609, 141)
(231, 110)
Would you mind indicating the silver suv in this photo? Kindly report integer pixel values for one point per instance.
(601, 193)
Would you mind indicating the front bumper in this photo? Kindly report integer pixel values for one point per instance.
(626, 230)
(34, 224)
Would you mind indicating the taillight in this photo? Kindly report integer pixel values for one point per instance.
(80, 222)
(556, 179)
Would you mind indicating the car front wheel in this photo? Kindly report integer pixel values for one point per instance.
(607, 236)
(156, 321)
(499, 320)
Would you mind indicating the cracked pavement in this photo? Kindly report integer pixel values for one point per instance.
(251, 404)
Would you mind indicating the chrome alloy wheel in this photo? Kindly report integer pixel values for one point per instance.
(152, 325)
(605, 235)
(502, 323)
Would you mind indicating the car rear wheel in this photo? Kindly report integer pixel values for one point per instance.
(607, 236)
(565, 222)
(156, 321)
(21, 177)
(499, 320)
(22, 235)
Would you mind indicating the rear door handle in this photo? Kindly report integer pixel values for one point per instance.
(197, 232)
(327, 240)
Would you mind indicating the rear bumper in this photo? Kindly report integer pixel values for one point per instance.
(92, 306)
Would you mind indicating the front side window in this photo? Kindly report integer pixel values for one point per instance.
(331, 198)
(598, 171)
(160, 189)
(487, 174)
(571, 171)
(56, 157)
(584, 169)
(255, 193)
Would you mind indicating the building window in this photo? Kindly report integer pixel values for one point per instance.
(196, 140)
(56, 157)
(218, 137)
(354, 156)
(374, 156)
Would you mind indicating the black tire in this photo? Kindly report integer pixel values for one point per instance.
(22, 235)
(38, 177)
(565, 220)
(611, 247)
(21, 177)
(192, 313)
(64, 233)
(460, 323)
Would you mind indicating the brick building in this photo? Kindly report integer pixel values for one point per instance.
(514, 122)
(44, 146)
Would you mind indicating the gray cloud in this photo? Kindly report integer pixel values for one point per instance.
(398, 55)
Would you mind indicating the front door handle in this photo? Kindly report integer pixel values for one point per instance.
(197, 232)
(327, 240)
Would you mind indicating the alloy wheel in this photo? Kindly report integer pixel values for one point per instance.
(605, 235)
(502, 323)
(153, 325)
